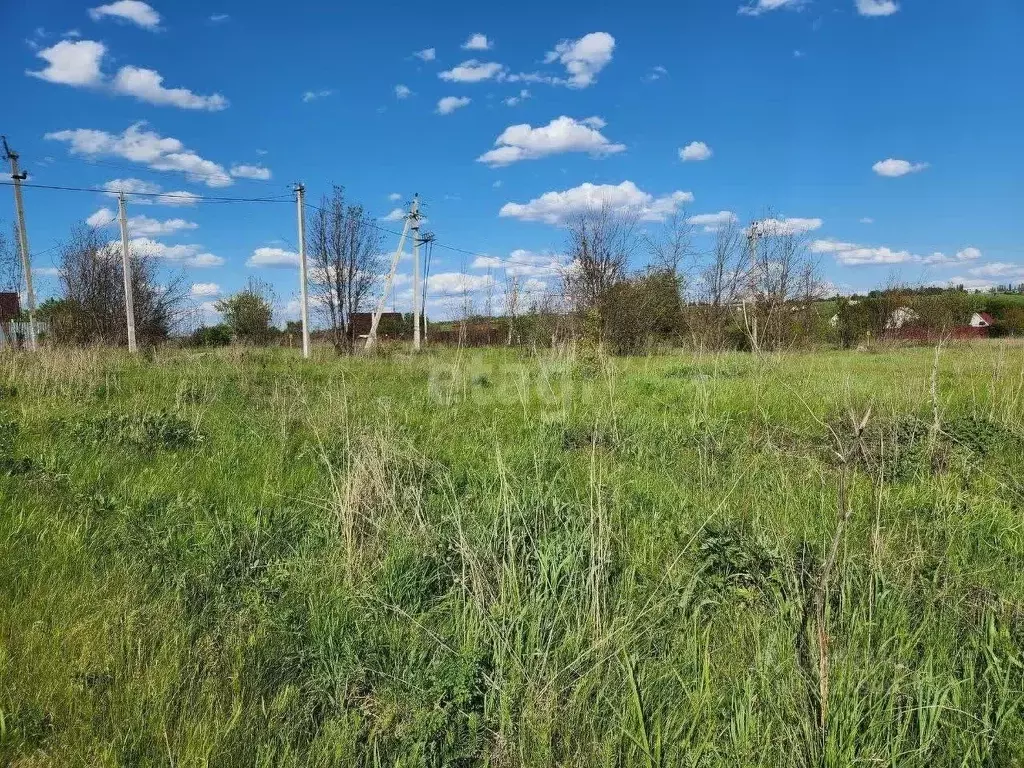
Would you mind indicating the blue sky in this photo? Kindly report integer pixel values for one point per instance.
(889, 130)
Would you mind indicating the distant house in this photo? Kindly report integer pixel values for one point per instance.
(901, 317)
(982, 320)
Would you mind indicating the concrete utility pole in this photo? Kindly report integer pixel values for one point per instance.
(428, 239)
(126, 267)
(416, 282)
(26, 262)
(300, 199)
(413, 214)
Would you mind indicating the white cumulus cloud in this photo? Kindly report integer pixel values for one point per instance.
(129, 186)
(523, 263)
(147, 85)
(757, 7)
(78, 63)
(145, 147)
(309, 96)
(205, 260)
(186, 255)
(787, 226)
(140, 226)
(144, 226)
(893, 168)
(134, 11)
(273, 257)
(395, 214)
(852, 254)
(1000, 269)
(656, 73)
(556, 207)
(180, 197)
(101, 218)
(205, 290)
(427, 54)
(146, 193)
(402, 91)
(695, 151)
(523, 94)
(712, 222)
(472, 71)
(877, 7)
(458, 282)
(967, 254)
(258, 172)
(563, 134)
(478, 42)
(72, 63)
(584, 58)
(449, 104)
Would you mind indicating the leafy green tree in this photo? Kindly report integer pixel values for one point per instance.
(249, 313)
(1012, 321)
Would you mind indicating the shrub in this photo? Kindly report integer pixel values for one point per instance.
(249, 313)
(211, 336)
(643, 309)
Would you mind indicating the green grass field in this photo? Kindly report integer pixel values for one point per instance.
(240, 558)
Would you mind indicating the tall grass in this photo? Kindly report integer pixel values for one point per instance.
(512, 559)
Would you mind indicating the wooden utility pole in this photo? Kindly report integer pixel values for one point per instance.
(371, 338)
(300, 199)
(26, 261)
(126, 268)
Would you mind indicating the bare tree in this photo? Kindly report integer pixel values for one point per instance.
(601, 242)
(489, 295)
(10, 277)
(92, 308)
(721, 283)
(782, 285)
(671, 249)
(345, 252)
(512, 300)
(10, 262)
(468, 306)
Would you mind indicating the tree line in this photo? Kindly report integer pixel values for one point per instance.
(756, 287)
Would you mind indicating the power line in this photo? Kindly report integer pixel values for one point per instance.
(439, 244)
(277, 199)
(164, 195)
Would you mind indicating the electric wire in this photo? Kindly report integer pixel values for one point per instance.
(163, 195)
(455, 249)
(277, 199)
